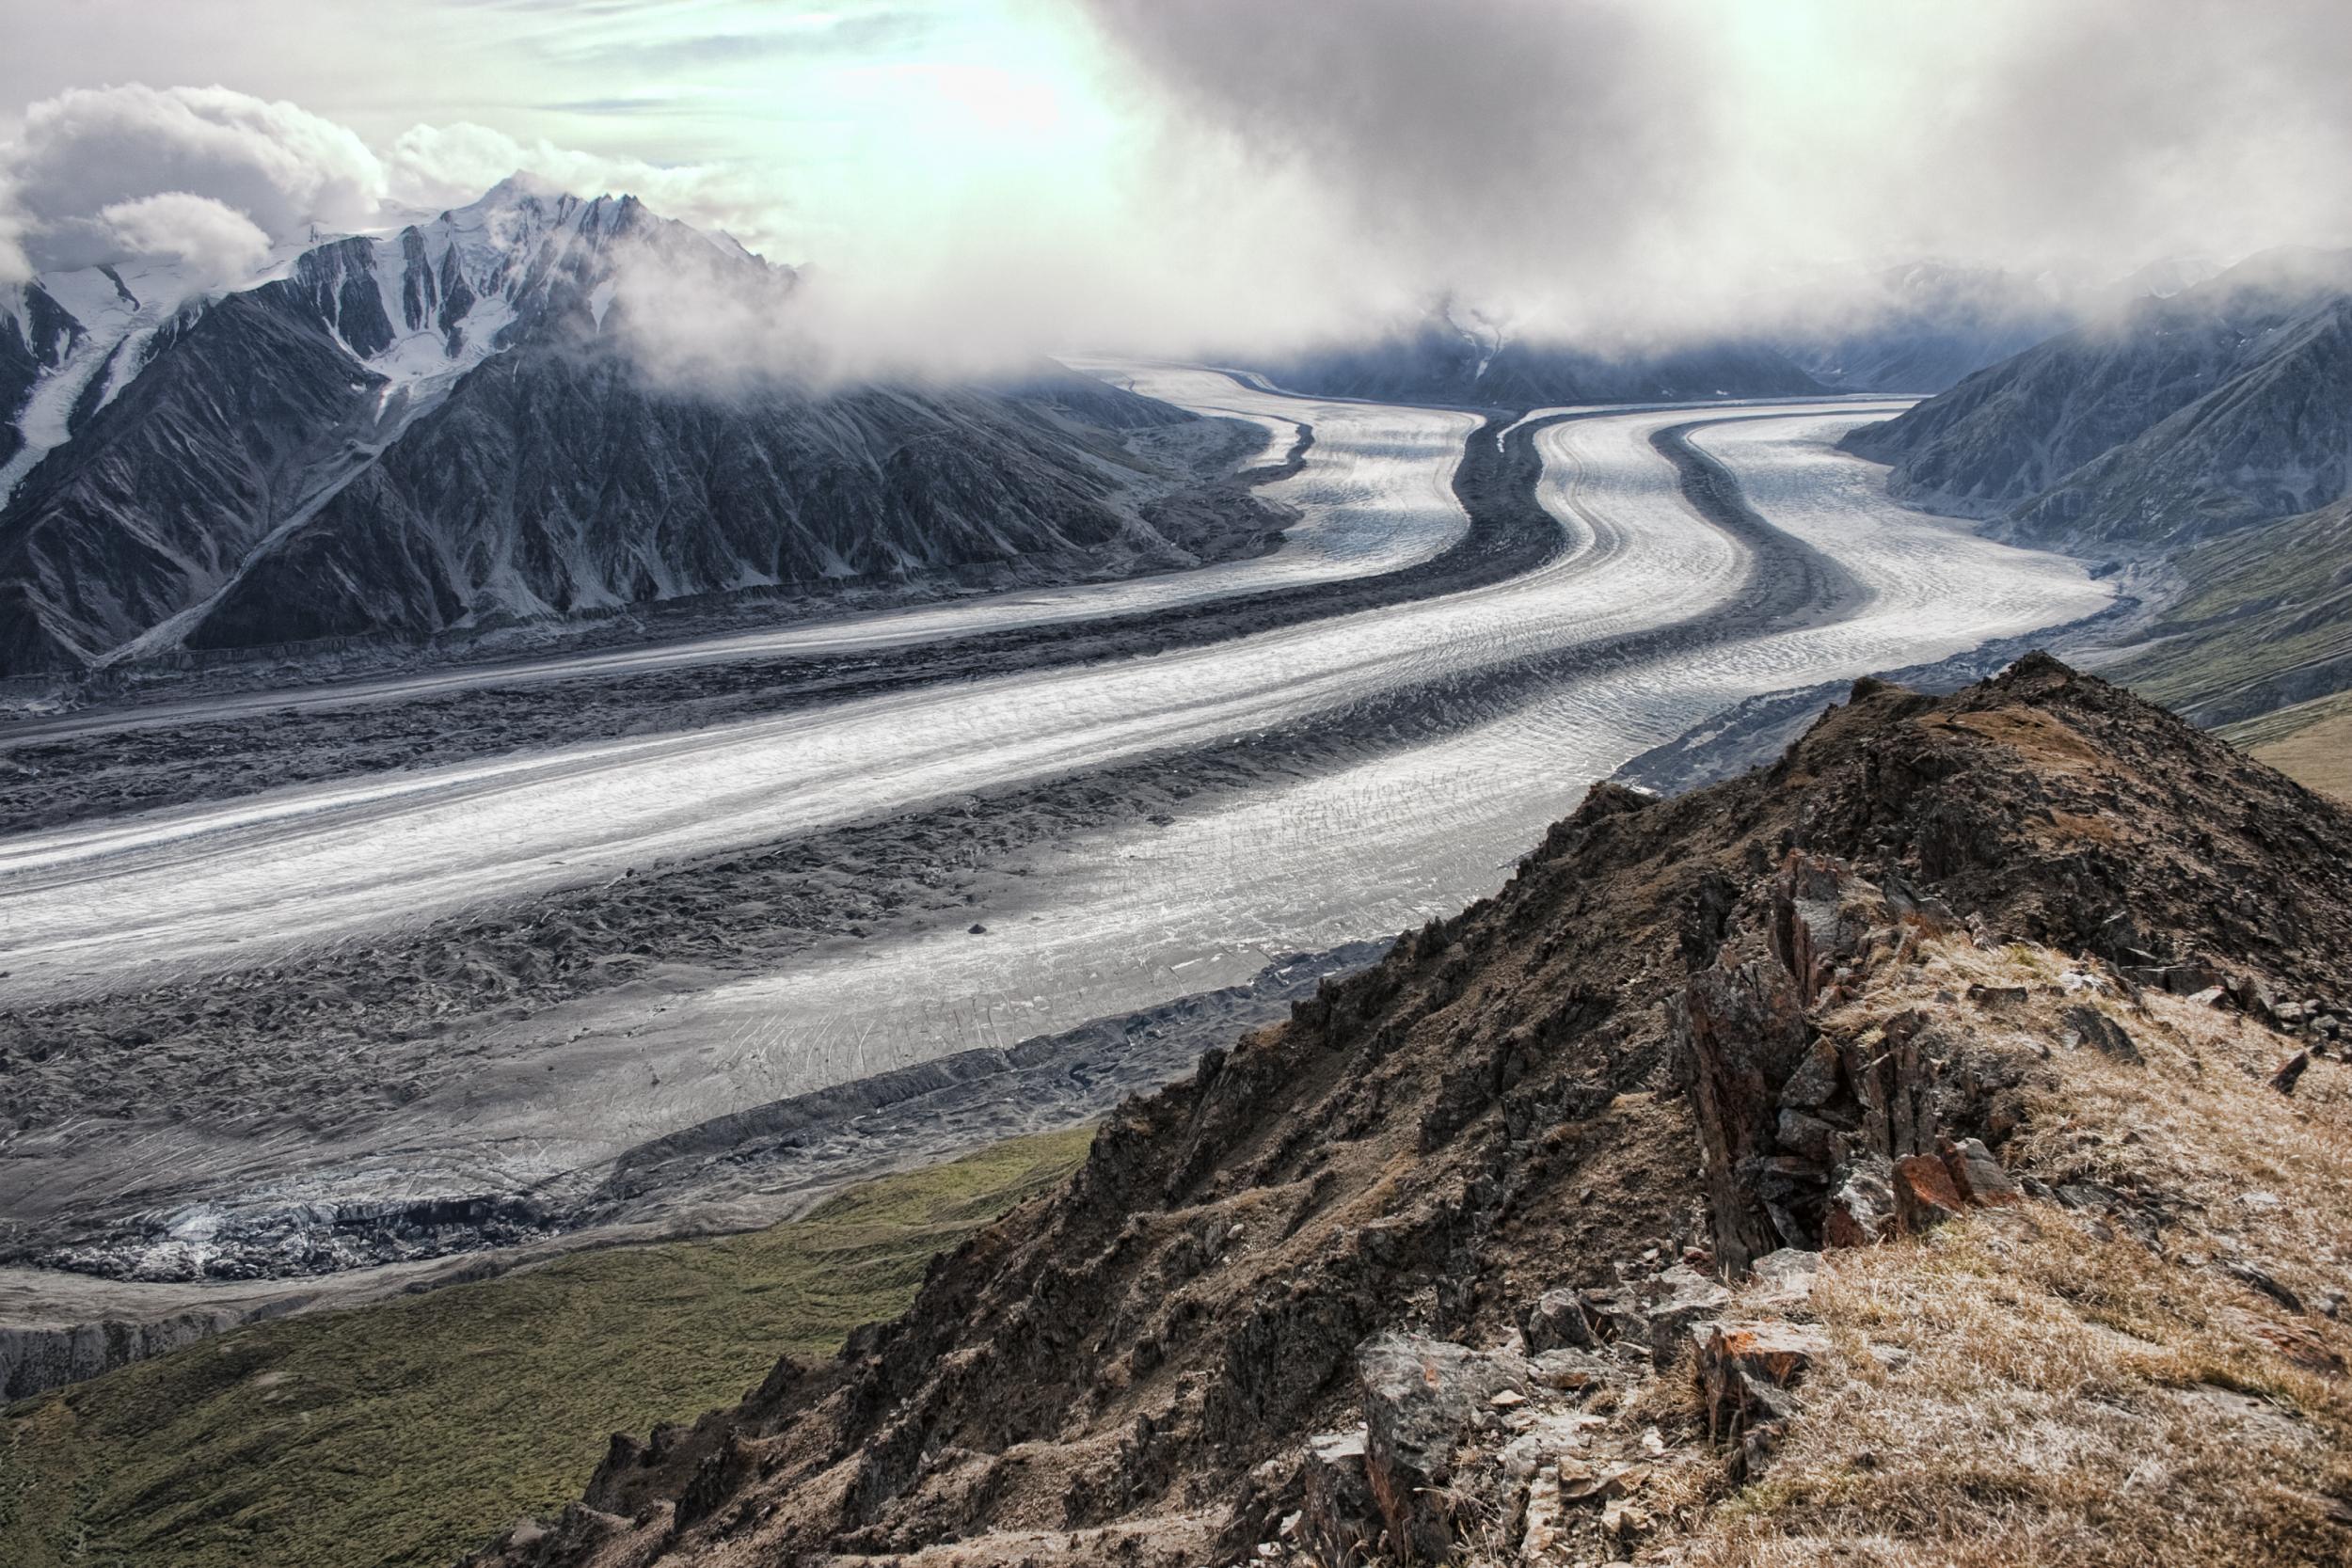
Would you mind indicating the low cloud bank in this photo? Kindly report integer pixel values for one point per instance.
(1657, 165)
(120, 173)
(1224, 177)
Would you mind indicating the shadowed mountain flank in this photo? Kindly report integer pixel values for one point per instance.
(2220, 407)
(462, 425)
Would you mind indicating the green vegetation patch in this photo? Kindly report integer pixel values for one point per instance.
(2267, 604)
(2285, 723)
(411, 1429)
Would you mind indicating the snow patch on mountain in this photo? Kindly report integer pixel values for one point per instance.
(112, 311)
(419, 305)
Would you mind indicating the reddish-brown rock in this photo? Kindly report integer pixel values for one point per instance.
(1745, 1370)
(2291, 1072)
(1924, 1195)
(1976, 1176)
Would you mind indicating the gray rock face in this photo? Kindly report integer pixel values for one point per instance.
(35, 1359)
(1339, 1513)
(2226, 405)
(1422, 1397)
(554, 480)
(405, 434)
(167, 490)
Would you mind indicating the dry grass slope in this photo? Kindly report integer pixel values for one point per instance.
(2310, 743)
(2034, 1385)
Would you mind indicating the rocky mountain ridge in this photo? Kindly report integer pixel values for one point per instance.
(1581, 1211)
(455, 422)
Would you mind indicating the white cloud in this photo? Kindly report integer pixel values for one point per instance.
(15, 266)
(971, 180)
(1646, 163)
(218, 243)
(90, 149)
(106, 174)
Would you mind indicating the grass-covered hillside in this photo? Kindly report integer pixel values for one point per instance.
(2266, 623)
(2310, 743)
(410, 1431)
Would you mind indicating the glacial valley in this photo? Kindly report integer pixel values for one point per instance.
(505, 951)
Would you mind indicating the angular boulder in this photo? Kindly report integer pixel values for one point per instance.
(2291, 1072)
(1339, 1519)
(1861, 1208)
(1745, 1370)
(1421, 1397)
(1742, 1032)
(1976, 1176)
(1925, 1194)
(1557, 1320)
(2086, 1025)
(1685, 1300)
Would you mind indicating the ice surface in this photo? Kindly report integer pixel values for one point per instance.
(299, 864)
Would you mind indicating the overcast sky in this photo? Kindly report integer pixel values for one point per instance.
(1166, 172)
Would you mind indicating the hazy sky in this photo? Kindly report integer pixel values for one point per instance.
(1155, 172)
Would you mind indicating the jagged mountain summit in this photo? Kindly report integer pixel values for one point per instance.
(448, 424)
(1971, 1024)
(418, 306)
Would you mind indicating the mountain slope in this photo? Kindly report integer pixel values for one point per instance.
(2222, 405)
(1515, 1125)
(37, 336)
(555, 480)
(1921, 327)
(452, 424)
(2265, 621)
(2272, 440)
(2207, 439)
(166, 490)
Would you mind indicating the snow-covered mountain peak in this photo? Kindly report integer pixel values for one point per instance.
(522, 186)
(417, 303)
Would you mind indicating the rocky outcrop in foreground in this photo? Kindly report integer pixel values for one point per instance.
(1886, 1156)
